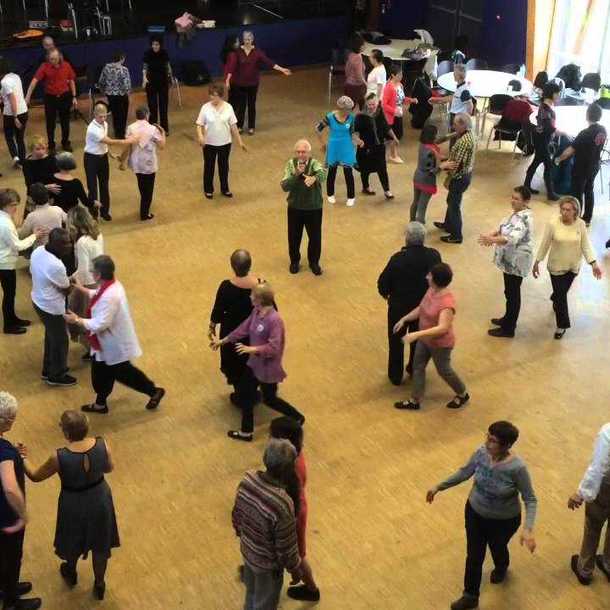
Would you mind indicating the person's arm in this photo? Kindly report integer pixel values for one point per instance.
(217, 314)
(127, 81)
(318, 171)
(201, 133)
(263, 59)
(380, 86)
(12, 98)
(384, 282)
(591, 482)
(230, 68)
(32, 86)
(43, 472)
(236, 135)
(285, 539)
(241, 332)
(410, 317)
(543, 248)
(388, 101)
(144, 73)
(320, 127)
(445, 320)
(105, 311)
(292, 175)
(25, 230)
(109, 461)
(566, 154)
(72, 85)
(524, 485)
(237, 513)
(160, 139)
(103, 78)
(442, 99)
(10, 235)
(461, 475)
(273, 345)
(589, 253)
(13, 494)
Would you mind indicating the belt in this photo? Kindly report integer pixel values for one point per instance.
(85, 488)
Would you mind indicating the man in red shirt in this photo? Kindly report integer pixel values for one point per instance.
(59, 95)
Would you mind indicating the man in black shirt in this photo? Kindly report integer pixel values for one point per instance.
(403, 284)
(586, 149)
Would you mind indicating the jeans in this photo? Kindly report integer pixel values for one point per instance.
(104, 375)
(512, 292)
(97, 171)
(11, 552)
(56, 343)
(441, 357)
(119, 107)
(348, 172)
(396, 348)
(246, 96)
(597, 514)
(311, 221)
(210, 154)
(55, 105)
(263, 588)
(561, 286)
(8, 281)
(15, 138)
(541, 155)
(157, 98)
(453, 217)
(419, 206)
(481, 533)
(146, 186)
(582, 189)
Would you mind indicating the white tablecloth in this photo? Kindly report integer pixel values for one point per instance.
(395, 50)
(485, 83)
(573, 119)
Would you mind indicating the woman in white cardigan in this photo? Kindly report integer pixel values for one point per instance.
(113, 339)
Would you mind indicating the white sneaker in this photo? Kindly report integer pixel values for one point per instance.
(16, 162)
(332, 199)
(350, 202)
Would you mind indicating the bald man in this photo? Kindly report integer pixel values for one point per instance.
(303, 179)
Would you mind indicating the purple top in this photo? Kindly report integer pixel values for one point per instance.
(267, 334)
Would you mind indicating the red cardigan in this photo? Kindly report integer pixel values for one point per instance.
(388, 102)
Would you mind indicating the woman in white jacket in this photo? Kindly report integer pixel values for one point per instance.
(113, 339)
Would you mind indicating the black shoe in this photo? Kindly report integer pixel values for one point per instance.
(500, 332)
(294, 267)
(236, 435)
(368, 192)
(560, 332)
(33, 603)
(497, 576)
(533, 191)
(497, 321)
(465, 602)
(209, 195)
(93, 408)
(449, 239)
(553, 197)
(407, 405)
(316, 269)
(147, 217)
(228, 194)
(15, 330)
(106, 216)
(440, 225)
(52, 149)
(599, 562)
(301, 420)
(458, 401)
(583, 580)
(99, 590)
(70, 576)
(21, 322)
(23, 588)
(153, 403)
(64, 381)
(67, 147)
(303, 593)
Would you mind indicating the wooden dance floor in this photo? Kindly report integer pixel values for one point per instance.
(373, 542)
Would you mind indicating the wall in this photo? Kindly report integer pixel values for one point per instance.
(504, 35)
(404, 16)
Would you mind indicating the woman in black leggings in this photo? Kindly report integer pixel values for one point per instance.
(156, 79)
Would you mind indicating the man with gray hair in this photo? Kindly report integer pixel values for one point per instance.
(303, 179)
(460, 100)
(403, 284)
(264, 520)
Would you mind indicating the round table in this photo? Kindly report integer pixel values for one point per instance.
(573, 119)
(485, 83)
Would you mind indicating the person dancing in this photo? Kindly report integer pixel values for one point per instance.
(156, 79)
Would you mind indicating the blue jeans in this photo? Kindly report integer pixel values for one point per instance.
(453, 217)
(263, 588)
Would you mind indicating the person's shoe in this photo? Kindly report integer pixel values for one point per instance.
(22, 322)
(465, 602)
(388, 195)
(497, 576)
(449, 239)
(533, 191)
(70, 576)
(67, 147)
(407, 405)
(583, 580)
(250, 132)
(303, 593)
(369, 192)
(228, 194)
(237, 435)
(350, 202)
(500, 332)
(395, 160)
(153, 403)
(440, 225)
(497, 321)
(23, 588)
(52, 149)
(64, 381)
(106, 216)
(316, 269)
(209, 195)
(458, 401)
(147, 217)
(331, 199)
(294, 267)
(599, 562)
(32, 603)
(99, 590)
(94, 408)
(301, 420)
(15, 330)
(560, 332)
(553, 197)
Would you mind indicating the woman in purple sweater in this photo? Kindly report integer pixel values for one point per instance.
(265, 330)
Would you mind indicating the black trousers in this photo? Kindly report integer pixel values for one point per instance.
(97, 170)
(561, 286)
(55, 106)
(158, 99)
(8, 281)
(481, 533)
(582, 189)
(348, 172)
(15, 138)
(11, 552)
(119, 107)
(541, 155)
(512, 292)
(396, 348)
(311, 221)
(246, 97)
(383, 178)
(55, 358)
(104, 375)
(210, 154)
(146, 186)
(247, 388)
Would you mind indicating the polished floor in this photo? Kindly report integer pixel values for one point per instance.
(374, 543)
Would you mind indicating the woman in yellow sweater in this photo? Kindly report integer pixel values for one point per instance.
(566, 241)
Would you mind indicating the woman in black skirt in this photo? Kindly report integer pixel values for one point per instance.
(156, 80)
(373, 129)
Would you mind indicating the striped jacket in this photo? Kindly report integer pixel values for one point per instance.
(263, 518)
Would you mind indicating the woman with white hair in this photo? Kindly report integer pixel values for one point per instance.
(13, 514)
(243, 77)
(566, 241)
(341, 147)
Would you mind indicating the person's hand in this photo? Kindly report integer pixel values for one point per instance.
(201, 142)
(285, 71)
(74, 103)
(27, 99)
(18, 123)
(53, 188)
(76, 284)
(211, 332)
(159, 128)
(536, 270)
(144, 83)
(16, 527)
(240, 348)
(414, 101)
(359, 143)
(300, 168)
(123, 166)
(323, 147)
(243, 146)
(597, 272)
(448, 165)
(97, 204)
(485, 240)
(407, 339)
(527, 539)
(297, 574)
(430, 495)
(70, 317)
(575, 501)
(398, 326)
(215, 343)
(23, 450)
(41, 232)
(310, 181)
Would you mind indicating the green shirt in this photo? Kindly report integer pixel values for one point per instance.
(301, 196)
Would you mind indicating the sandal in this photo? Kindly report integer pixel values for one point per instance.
(93, 408)
(408, 405)
(458, 401)
(154, 401)
(237, 435)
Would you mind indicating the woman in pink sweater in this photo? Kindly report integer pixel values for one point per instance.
(355, 82)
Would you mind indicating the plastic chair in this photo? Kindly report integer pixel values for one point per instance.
(477, 64)
(495, 106)
(502, 129)
(591, 80)
(337, 66)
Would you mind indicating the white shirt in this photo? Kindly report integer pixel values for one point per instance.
(461, 100)
(377, 76)
(217, 123)
(10, 244)
(11, 83)
(86, 249)
(93, 140)
(599, 468)
(112, 324)
(49, 280)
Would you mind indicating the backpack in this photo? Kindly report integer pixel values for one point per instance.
(525, 141)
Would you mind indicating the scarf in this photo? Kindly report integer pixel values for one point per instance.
(94, 341)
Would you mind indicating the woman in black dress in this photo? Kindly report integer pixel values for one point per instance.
(156, 80)
(85, 511)
(71, 189)
(373, 129)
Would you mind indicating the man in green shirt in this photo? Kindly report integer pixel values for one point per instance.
(303, 178)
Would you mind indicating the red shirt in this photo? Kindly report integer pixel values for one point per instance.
(301, 471)
(245, 69)
(429, 313)
(56, 78)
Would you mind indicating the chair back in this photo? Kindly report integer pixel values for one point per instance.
(477, 64)
(444, 67)
(498, 102)
(604, 102)
(515, 85)
(591, 80)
